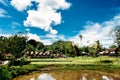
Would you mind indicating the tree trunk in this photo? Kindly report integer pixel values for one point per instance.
(117, 55)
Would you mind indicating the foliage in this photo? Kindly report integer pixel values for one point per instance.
(17, 44)
(3, 47)
(14, 45)
(117, 35)
(85, 49)
(63, 47)
(33, 45)
(91, 50)
(5, 74)
(15, 70)
(19, 61)
(60, 47)
(2, 57)
(29, 47)
(97, 47)
(80, 36)
(112, 46)
(117, 40)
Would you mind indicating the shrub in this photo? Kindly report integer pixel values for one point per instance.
(5, 74)
(19, 61)
(15, 70)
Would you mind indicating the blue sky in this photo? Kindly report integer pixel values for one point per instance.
(51, 20)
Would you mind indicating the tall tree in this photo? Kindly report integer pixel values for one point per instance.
(117, 40)
(80, 36)
(16, 44)
(117, 35)
(96, 46)
(34, 44)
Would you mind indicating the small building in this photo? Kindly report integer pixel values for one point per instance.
(111, 51)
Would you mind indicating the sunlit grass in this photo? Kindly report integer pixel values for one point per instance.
(74, 60)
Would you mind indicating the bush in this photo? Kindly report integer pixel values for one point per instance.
(18, 70)
(19, 61)
(5, 74)
(15, 70)
(2, 57)
(106, 61)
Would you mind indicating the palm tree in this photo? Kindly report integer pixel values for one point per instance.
(96, 46)
(80, 36)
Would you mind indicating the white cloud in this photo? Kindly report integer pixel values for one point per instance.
(15, 24)
(21, 5)
(52, 31)
(45, 16)
(3, 14)
(46, 42)
(42, 19)
(51, 36)
(48, 39)
(4, 2)
(95, 31)
(33, 36)
(39, 38)
(61, 37)
(5, 35)
(55, 37)
(54, 4)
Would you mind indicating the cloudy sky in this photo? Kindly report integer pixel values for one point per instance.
(51, 20)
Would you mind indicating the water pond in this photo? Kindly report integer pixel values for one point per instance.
(70, 75)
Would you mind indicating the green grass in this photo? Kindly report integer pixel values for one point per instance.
(76, 60)
(79, 63)
(76, 63)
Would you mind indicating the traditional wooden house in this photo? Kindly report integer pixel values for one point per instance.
(111, 51)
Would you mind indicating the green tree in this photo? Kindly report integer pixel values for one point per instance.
(112, 46)
(91, 51)
(58, 47)
(97, 47)
(3, 45)
(117, 40)
(117, 35)
(64, 47)
(16, 45)
(34, 45)
(32, 42)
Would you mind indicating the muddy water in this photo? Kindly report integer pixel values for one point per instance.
(70, 75)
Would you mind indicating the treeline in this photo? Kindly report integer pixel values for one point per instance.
(59, 47)
(17, 45)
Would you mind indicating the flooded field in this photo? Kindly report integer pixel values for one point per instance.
(70, 75)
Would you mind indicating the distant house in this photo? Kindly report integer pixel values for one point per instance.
(111, 51)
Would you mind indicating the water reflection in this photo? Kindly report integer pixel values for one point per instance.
(106, 78)
(32, 79)
(83, 78)
(46, 76)
(70, 75)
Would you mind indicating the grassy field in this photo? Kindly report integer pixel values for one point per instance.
(103, 63)
(76, 63)
(76, 60)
